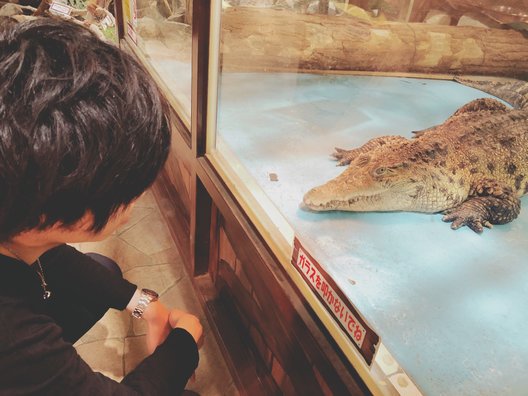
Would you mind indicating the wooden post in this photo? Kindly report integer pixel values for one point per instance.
(42, 8)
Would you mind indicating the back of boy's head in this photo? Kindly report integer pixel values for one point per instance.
(82, 126)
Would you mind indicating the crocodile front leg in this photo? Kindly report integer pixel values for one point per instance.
(346, 156)
(488, 203)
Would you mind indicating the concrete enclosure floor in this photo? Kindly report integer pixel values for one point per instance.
(148, 257)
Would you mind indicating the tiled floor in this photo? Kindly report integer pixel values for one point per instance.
(148, 257)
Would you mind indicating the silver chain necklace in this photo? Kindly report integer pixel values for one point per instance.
(40, 272)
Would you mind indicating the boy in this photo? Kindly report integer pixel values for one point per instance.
(83, 132)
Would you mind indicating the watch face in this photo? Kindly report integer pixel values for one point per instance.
(151, 293)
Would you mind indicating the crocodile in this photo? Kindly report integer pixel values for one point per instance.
(473, 168)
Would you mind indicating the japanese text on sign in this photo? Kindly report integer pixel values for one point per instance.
(341, 312)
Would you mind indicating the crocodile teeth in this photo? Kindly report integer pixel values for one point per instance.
(340, 204)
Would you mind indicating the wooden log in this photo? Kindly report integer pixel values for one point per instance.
(42, 8)
(267, 39)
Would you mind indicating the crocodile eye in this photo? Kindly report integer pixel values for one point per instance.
(380, 171)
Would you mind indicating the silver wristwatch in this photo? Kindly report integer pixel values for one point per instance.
(147, 296)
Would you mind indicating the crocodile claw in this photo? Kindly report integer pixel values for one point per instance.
(495, 205)
(344, 157)
(460, 217)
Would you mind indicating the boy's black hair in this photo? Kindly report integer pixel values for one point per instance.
(82, 126)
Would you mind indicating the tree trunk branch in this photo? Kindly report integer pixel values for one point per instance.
(263, 39)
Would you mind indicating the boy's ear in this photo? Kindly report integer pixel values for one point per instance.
(83, 224)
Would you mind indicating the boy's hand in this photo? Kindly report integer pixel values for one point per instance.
(158, 328)
(160, 321)
(186, 321)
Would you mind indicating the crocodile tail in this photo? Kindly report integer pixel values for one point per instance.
(515, 92)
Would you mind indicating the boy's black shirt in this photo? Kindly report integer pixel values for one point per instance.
(36, 359)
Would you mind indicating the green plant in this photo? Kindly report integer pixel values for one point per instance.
(78, 4)
(110, 33)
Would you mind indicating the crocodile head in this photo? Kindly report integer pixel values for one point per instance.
(391, 180)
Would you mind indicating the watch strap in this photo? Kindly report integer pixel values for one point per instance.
(147, 296)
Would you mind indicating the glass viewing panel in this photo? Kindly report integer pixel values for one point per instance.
(162, 31)
(298, 78)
